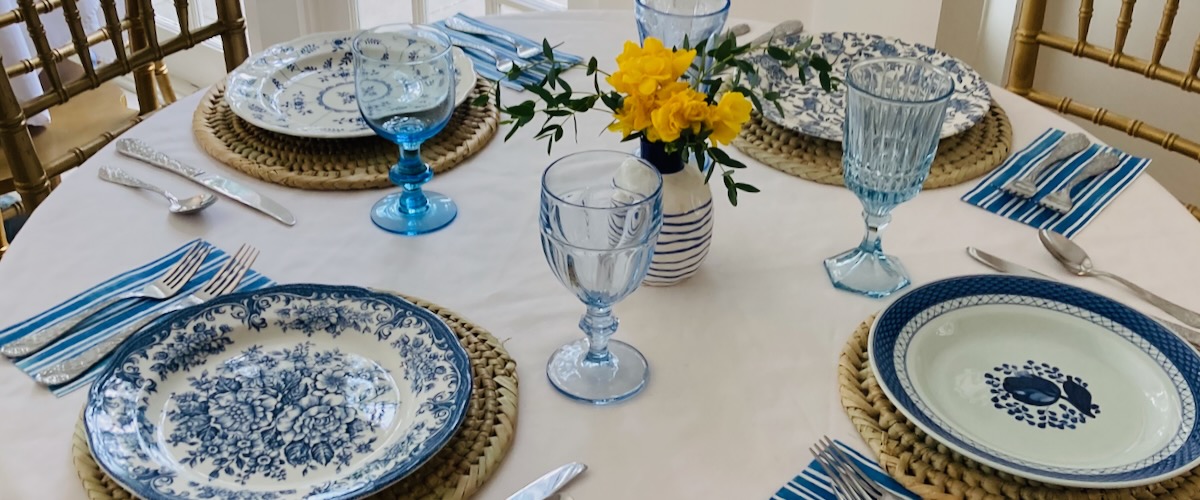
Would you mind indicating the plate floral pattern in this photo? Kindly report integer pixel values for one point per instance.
(305, 87)
(286, 392)
(811, 111)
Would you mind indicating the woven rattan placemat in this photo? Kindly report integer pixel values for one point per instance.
(333, 164)
(932, 470)
(959, 159)
(457, 471)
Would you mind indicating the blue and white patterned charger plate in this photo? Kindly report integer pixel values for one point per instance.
(295, 391)
(305, 87)
(1042, 380)
(811, 111)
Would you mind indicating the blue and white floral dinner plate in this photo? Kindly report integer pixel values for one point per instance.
(305, 87)
(811, 111)
(295, 391)
(1042, 380)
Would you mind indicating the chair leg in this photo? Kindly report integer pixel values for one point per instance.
(164, 83)
(3, 237)
(1194, 210)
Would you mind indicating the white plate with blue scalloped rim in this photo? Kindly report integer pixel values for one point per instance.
(295, 391)
(305, 87)
(811, 111)
(1041, 379)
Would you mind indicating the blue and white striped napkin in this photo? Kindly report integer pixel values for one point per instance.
(813, 483)
(486, 66)
(108, 322)
(1090, 196)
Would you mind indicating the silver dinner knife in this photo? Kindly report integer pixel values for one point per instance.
(547, 485)
(138, 149)
(1009, 267)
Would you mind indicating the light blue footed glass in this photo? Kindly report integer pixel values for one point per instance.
(673, 20)
(894, 113)
(599, 240)
(404, 85)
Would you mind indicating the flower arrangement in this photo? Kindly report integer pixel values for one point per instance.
(689, 105)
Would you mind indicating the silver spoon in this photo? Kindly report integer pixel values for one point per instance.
(185, 206)
(1074, 259)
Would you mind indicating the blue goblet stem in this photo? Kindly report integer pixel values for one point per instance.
(872, 242)
(598, 323)
(411, 173)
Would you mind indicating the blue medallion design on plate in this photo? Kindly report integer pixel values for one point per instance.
(1041, 395)
(811, 111)
(895, 328)
(292, 391)
(305, 87)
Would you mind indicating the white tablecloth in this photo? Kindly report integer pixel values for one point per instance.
(743, 355)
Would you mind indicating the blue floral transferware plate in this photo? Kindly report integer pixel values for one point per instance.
(295, 391)
(305, 87)
(811, 111)
(1042, 380)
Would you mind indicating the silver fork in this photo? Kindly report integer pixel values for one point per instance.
(1060, 201)
(1026, 186)
(225, 281)
(166, 286)
(503, 64)
(523, 51)
(849, 482)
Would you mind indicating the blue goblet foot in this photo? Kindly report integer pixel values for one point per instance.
(388, 214)
(873, 274)
(620, 376)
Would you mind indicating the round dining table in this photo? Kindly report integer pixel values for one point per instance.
(743, 355)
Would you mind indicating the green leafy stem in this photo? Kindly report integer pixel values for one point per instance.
(725, 69)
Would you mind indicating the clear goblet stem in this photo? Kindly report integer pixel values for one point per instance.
(410, 173)
(872, 241)
(598, 323)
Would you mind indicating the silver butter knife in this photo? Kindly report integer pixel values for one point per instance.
(138, 149)
(1008, 267)
(523, 51)
(547, 485)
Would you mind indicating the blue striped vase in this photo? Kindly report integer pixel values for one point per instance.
(687, 207)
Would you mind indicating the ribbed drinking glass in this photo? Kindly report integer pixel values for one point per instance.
(599, 240)
(672, 20)
(894, 113)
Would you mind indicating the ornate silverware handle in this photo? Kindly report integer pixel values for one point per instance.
(118, 176)
(41, 338)
(138, 149)
(70, 369)
(479, 47)
(1189, 317)
(457, 24)
(1071, 144)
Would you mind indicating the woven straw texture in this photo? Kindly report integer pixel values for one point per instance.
(333, 164)
(457, 471)
(932, 470)
(959, 159)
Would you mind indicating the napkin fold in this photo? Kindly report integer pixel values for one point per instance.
(110, 321)
(1090, 196)
(486, 66)
(814, 484)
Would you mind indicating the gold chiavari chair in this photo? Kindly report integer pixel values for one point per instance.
(1030, 36)
(31, 166)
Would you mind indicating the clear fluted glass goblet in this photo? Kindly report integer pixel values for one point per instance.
(894, 113)
(601, 212)
(404, 85)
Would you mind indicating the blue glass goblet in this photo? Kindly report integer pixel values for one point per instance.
(673, 20)
(894, 113)
(601, 213)
(404, 84)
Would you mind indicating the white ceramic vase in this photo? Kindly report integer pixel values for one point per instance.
(687, 206)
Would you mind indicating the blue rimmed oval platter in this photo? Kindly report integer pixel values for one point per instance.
(305, 87)
(295, 391)
(1042, 380)
(811, 111)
